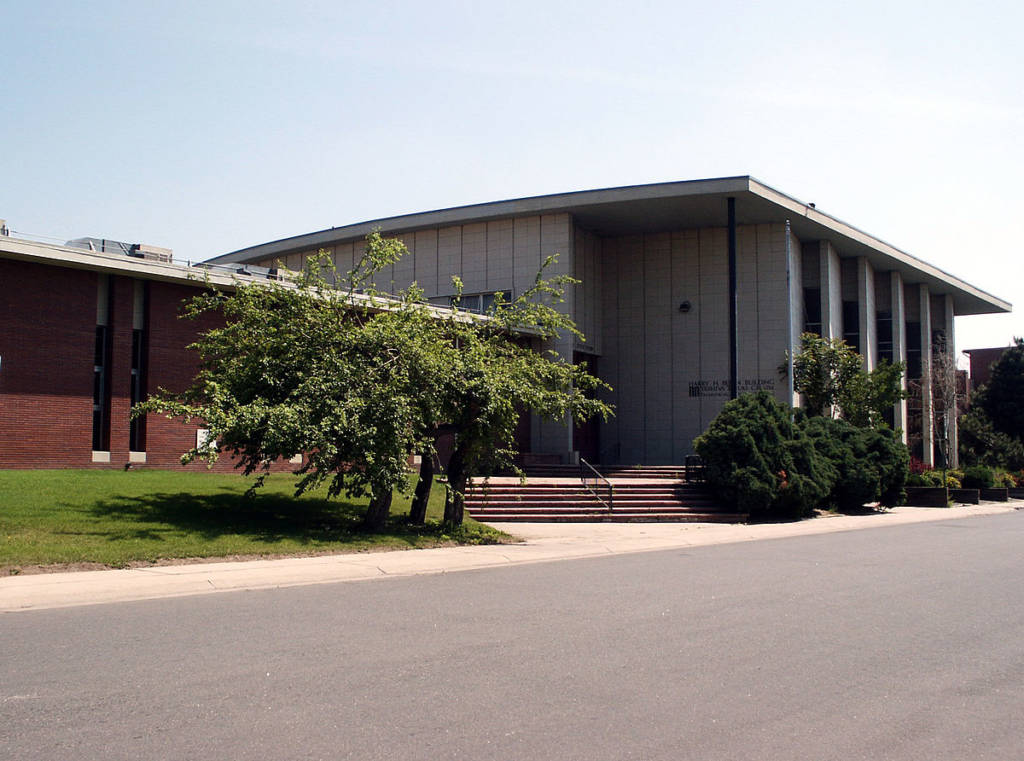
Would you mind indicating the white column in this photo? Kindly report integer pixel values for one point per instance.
(927, 429)
(954, 438)
(831, 293)
(899, 347)
(866, 313)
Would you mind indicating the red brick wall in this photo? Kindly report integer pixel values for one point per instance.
(47, 334)
(172, 366)
(47, 337)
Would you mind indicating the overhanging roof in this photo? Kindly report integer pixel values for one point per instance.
(657, 208)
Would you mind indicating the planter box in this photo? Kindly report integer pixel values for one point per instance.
(995, 495)
(927, 496)
(965, 496)
(1017, 493)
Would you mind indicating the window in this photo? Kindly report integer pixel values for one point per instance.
(913, 349)
(137, 392)
(480, 303)
(851, 324)
(100, 395)
(812, 310)
(883, 327)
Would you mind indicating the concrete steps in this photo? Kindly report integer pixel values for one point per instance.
(555, 493)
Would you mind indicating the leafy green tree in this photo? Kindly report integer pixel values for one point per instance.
(327, 366)
(831, 377)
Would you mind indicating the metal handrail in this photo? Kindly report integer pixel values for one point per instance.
(611, 492)
(694, 468)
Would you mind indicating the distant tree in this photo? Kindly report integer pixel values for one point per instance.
(1002, 398)
(357, 380)
(831, 377)
(992, 430)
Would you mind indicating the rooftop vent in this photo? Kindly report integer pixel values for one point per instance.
(137, 250)
(152, 253)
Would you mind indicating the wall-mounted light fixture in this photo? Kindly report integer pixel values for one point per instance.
(684, 307)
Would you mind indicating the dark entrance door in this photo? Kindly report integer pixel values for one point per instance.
(586, 437)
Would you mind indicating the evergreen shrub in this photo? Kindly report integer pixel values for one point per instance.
(978, 477)
(775, 463)
(759, 460)
(871, 463)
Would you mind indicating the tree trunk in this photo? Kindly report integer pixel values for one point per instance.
(454, 503)
(378, 509)
(418, 510)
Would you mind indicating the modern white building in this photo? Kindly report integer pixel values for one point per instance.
(690, 293)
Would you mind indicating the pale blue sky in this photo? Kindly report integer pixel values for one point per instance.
(211, 126)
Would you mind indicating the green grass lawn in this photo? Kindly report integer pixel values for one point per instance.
(117, 518)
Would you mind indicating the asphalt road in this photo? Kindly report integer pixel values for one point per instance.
(894, 643)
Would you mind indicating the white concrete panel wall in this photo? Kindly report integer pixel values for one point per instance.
(586, 269)
(499, 255)
(669, 369)
(631, 411)
(657, 341)
(686, 342)
(358, 249)
(713, 308)
(556, 237)
(747, 316)
(525, 252)
(449, 258)
(474, 257)
(343, 258)
(425, 261)
(404, 271)
(610, 360)
(773, 316)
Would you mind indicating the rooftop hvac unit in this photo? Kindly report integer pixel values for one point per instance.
(152, 253)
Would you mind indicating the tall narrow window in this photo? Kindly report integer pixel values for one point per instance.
(883, 328)
(851, 324)
(137, 392)
(913, 334)
(101, 368)
(812, 310)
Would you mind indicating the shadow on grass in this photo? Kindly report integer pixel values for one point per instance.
(264, 518)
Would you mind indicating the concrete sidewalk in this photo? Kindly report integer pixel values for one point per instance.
(544, 542)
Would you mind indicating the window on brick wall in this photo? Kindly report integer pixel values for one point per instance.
(137, 426)
(100, 391)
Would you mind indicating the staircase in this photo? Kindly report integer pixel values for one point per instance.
(556, 493)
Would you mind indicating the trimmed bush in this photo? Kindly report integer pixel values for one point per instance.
(870, 463)
(927, 478)
(978, 477)
(757, 459)
(1005, 480)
